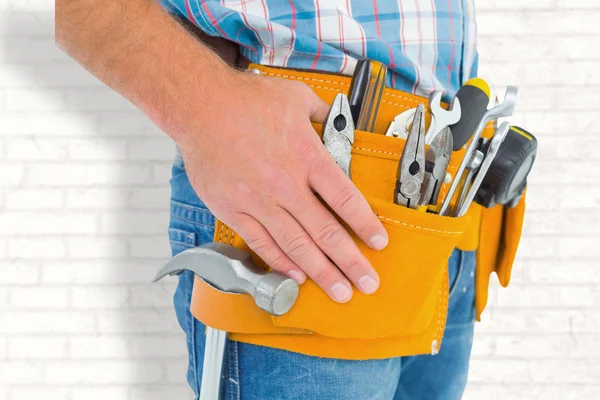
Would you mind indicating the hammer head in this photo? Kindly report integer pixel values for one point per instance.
(231, 270)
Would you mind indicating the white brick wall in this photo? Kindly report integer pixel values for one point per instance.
(83, 216)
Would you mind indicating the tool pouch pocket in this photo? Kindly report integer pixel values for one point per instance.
(408, 312)
(500, 234)
(412, 268)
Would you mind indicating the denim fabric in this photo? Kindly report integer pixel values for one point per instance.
(262, 373)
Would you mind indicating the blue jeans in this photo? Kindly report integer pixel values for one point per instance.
(262, 373)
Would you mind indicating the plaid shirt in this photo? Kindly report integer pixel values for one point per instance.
(427, 44)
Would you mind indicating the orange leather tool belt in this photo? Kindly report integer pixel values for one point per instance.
(407, 315)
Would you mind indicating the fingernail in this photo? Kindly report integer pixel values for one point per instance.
(341, 292)
(378, 242)
(297, 276)
(367, 284)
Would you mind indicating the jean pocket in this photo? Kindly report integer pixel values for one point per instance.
(461, 273)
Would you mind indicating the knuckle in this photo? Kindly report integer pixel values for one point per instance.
(298, 247)
(307, 152)
(352, 268)
(282, 183)
(331, 234)
(344, 198)
(260, 244)
(324, 275)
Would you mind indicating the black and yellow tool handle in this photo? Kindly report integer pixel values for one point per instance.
(474, 98)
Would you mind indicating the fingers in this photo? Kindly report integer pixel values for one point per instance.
(261, 242)
(302, 250)
(333, 239)
(336, 189)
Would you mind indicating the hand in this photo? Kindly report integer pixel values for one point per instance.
(258, 165)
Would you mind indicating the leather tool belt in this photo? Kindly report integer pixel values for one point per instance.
(407, 315)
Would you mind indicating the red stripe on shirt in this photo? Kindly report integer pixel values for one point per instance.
(451, 44)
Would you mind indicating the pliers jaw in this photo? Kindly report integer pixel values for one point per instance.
(338, 132)
(411, 169)
(437, 160)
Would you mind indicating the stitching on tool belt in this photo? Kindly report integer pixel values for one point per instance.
(419, 227)
(402, 97)
(377, 151)
(397, 104)
(442, 310)
(307, 79)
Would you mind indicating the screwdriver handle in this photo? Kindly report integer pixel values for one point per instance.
(358, 87)
(474, 98)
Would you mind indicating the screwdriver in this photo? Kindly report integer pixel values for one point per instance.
(365, 93)
(474, 98)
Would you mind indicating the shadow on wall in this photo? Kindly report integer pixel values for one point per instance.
(113, 166)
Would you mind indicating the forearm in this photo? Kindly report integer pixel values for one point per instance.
(137, 49)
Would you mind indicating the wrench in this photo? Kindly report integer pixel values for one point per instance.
(441, 118)
(505, 109)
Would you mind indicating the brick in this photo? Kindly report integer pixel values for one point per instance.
(161, 149)
(101, 393)
(99, 297)
(33, 347)
(543, 346)
(12, 76)
(97, 271)
(97, 149)
(99, 347)
(12, 174)
(146, 223)
(20, 99)
(499, 370)
(101, 372)
(46, 393)
(34, 51)
(16, 223)
(176, 370)
(563, 272)
(181, 391)
(47, 123)
(38, 298)
(155, 247)
(94, 198)
(34, 199)
(160, 320)
(25, 23)
(151, 295)
(36, 248)
(48, 322)
(99, 98)
(66, 74)
(82, 174)
(126, 123)
(97, 247)
(20, 372)
(19, 272)
(150, 198)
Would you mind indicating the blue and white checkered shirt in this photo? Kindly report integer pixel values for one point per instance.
(427, 44)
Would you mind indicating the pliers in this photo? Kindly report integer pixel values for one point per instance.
(437, 159)
(338, 132)
(411, 169)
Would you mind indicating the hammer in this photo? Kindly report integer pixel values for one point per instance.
(230, 270)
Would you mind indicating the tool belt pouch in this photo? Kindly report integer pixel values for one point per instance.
(500, 234)
(407, 315)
